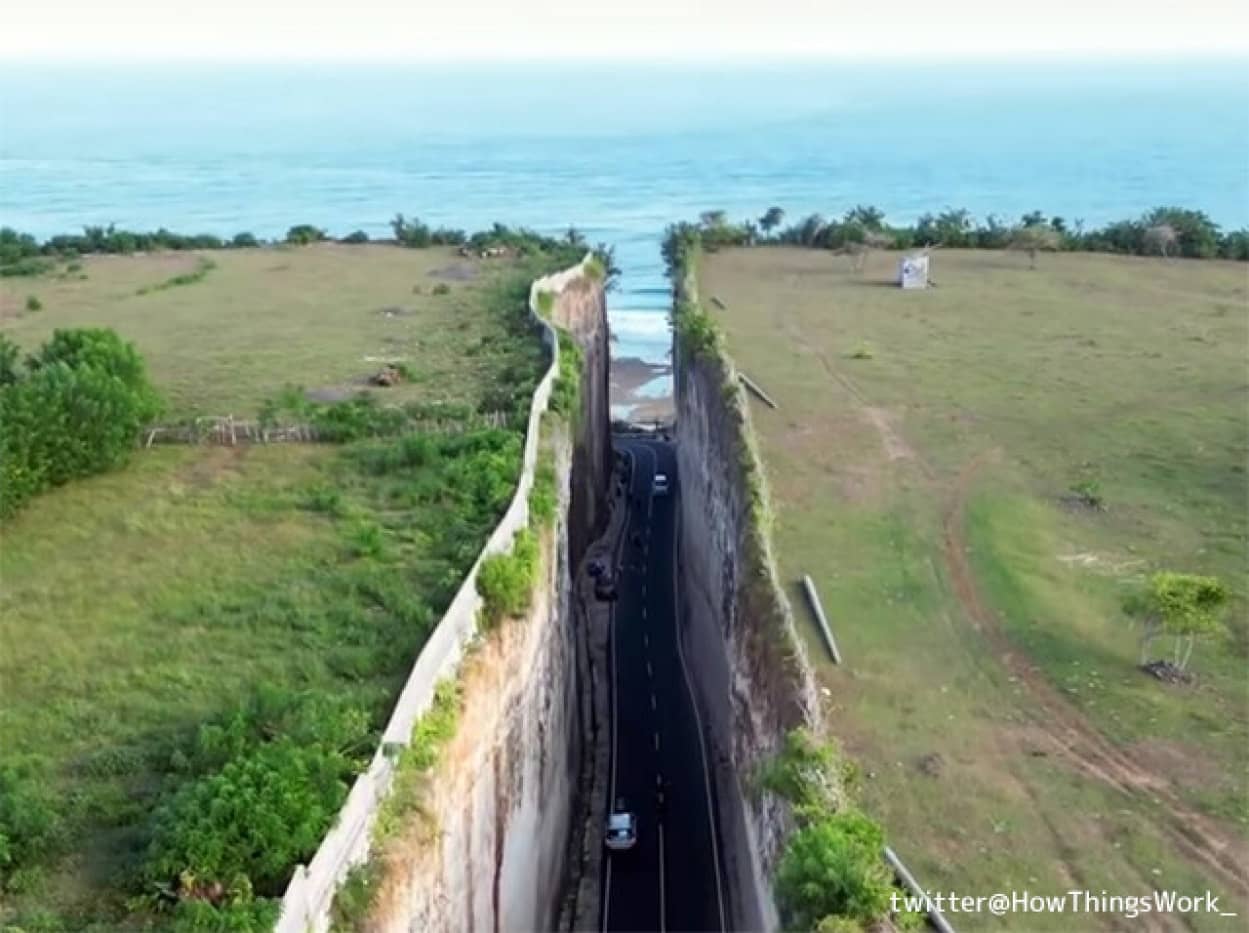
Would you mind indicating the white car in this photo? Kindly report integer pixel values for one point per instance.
(660, 485)
(622, 829)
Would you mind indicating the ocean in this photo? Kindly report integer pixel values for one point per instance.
(619, 151)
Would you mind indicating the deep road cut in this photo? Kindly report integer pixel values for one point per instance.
(671, 879)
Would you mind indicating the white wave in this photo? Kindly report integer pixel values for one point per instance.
(650, 326)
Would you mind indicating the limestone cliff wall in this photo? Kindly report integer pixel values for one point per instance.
(751, 673)
(490, 850)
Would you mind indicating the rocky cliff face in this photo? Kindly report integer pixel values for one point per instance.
(490, 851)
(753, 682)
(582, 311)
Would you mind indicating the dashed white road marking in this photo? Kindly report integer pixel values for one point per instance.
(652, 702)
(663, 907)
(656, 741)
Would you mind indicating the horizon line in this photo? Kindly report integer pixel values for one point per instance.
(1219, 56)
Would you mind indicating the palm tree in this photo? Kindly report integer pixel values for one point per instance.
(771, 220)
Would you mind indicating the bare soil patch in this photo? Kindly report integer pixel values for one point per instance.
(456, 272)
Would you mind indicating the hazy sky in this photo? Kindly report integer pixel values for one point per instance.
(419, 30)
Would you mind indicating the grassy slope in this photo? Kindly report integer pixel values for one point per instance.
(266, 317)
(139, 604)
(984, 400)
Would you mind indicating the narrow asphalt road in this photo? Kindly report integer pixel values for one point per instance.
(671, 879)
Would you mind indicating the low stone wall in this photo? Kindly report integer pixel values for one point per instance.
(310, 894)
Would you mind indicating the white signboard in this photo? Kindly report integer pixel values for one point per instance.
(913, 271)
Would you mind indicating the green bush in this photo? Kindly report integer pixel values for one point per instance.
(834, 867)
(28, 267)
(810, 775)
(262, 813)
(367, 540)
(241, 913)
(271, 712)
(325, 499)
(29, 825)
(566, 392)
(543, 496)
(303, 234)
(10, 361)
(354, 898)
(506, 581)
(355, 237)
(75, 410)
(244, 241)
(442, 288)
(33, 303)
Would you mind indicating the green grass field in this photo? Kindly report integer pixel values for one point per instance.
(321, 317)
(139, 605)
(921, 463)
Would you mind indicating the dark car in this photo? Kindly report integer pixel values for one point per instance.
(605, 587)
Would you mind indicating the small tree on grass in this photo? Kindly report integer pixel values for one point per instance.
(1161, 239)
(861, 244)
(1035, 237)
(1181, 605)
(771, 220)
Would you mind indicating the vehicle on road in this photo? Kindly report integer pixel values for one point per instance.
(660, 485)
(622, 828)
(605, 586)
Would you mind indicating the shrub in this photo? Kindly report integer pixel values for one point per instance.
(303, 234)
(325, 499)
(1235, 245)
(809, 775)
(244, 241)
(10, 355)
(15, 246)
(862, 352)
(834, 867)
(30, 266)
(250, 822)
(366, 540)
(543, 496)
(566, 392)
(75, 411)
(240, 913)
(442, 288)
(506, 581)
(1196, 235)
(272, 712)
(29, 826)
(33, 303)
(356, 236)
(354, 898)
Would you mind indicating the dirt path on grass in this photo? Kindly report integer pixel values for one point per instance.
(1069, 734)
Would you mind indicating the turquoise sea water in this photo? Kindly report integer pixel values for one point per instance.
(617, 150)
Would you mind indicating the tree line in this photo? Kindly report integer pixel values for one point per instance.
(1164, 231)
(21, 254)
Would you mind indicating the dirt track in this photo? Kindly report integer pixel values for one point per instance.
(1069, 733)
